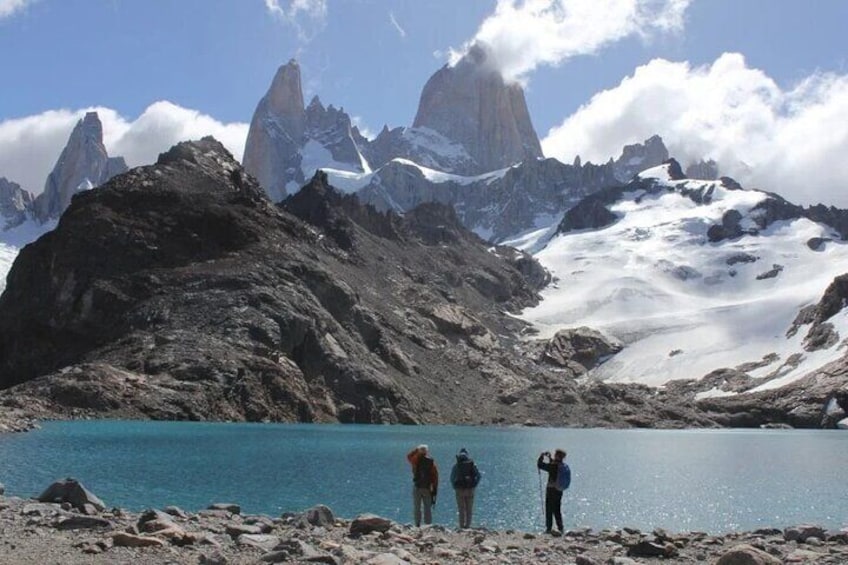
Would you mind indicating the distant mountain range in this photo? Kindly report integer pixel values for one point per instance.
(728, 301)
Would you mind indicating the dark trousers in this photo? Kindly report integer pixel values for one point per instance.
(553, 510)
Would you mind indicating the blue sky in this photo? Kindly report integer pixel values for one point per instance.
(211, 61)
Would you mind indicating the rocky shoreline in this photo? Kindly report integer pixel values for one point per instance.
(68, 524)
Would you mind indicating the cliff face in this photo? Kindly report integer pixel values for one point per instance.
(179, 291)
(15, 204)
(82, 165)
(286, 142)
(470, 103)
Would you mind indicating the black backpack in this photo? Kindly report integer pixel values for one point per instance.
(465, 474)
(423, 476)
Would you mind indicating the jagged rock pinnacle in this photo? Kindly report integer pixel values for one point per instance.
(472, 104)
(83, 164)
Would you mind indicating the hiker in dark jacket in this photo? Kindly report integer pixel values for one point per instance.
(464, 478)
(553, 494)
(425, 483)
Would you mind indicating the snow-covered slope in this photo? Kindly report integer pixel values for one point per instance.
(684, 302)
(12, 240)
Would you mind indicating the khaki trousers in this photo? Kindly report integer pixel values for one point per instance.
(422, 496)
(464, 505)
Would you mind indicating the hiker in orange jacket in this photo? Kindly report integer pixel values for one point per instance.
(425, 483)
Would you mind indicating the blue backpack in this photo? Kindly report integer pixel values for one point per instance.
(563, 480)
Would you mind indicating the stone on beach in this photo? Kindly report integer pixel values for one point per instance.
(319, 516)
(225, 506)
(802, 532)
(72, 492)
(81, 523)
(265, 542)
(367, 523)
(124, 539)
(745, 554)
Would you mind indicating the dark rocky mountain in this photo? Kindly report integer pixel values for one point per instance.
(82, 165)
(15, 204)
(178, 291)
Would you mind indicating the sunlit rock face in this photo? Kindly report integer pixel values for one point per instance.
(82, 165)
(471, 103)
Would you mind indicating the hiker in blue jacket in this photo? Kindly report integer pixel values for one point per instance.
(464, 478)
(559, 479)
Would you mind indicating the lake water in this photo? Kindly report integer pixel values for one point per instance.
(707, 480)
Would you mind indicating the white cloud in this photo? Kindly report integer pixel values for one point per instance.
(9, 7)
(790, 141)
(524, 34)
(297, 12)
(30, 146)
(396, 25)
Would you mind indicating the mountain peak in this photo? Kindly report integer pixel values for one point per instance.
(471, 103)
(285, 96)
(83, 164)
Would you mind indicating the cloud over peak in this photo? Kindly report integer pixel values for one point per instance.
(791, 141)
(524, 34)
(30, 146)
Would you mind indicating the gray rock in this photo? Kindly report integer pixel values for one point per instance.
(216, 558)
(82, 523)
(175, 511)
(801, 532)
(320, 516)
(837, 536)
(746, 555)
(579, 349)
(586, 559)
(265, 542)
(646, 548)
(367, 523)
(621, 561)
(124, 539)
(2, 489)
(225, 506)
(151, 521)
(72, 492)
(386, 559)
(236, 530)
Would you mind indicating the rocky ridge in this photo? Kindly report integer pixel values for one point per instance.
(82, 530)
(178, 291)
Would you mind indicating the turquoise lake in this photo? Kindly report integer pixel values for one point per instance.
(707, 480)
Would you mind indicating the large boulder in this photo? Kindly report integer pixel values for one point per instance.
(747, 555)
(73, 492)
(579, 349)
(367, 523)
